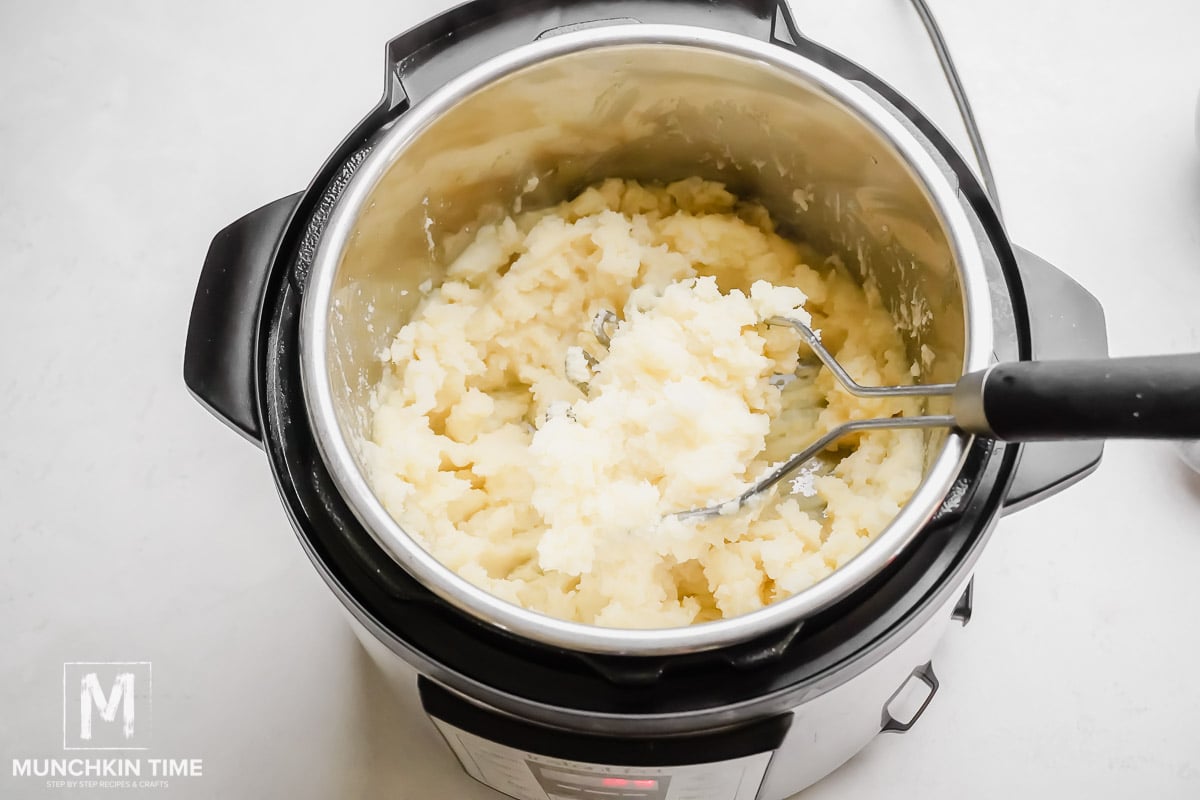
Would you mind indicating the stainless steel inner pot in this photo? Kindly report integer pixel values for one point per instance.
(654, 103)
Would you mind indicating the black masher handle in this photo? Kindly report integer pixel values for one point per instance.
(1145, 397)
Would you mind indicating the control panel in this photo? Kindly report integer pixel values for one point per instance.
(530, 776)
(529, 760)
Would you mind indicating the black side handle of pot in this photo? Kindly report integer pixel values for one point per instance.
(435, 52)
(1065, 322)
(1146, 397)
(218, 361)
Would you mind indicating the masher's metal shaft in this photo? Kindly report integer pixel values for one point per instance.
(789, 466)
(855, 388)
(852, 386)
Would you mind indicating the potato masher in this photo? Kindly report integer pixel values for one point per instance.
(1144, 397)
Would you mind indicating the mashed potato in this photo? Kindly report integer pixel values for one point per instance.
(544, 466)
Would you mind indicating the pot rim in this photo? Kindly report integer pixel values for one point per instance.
(481, 604)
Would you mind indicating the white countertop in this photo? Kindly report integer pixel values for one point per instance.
(137, 528)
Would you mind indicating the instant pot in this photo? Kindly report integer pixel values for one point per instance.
(491, 104)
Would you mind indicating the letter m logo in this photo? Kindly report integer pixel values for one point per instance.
(92, 696)
(106, 706)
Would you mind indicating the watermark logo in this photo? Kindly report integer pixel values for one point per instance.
(107, 705)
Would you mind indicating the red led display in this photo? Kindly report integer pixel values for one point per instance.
(624, 783)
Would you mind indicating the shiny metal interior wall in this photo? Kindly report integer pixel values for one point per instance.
(650, 112)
